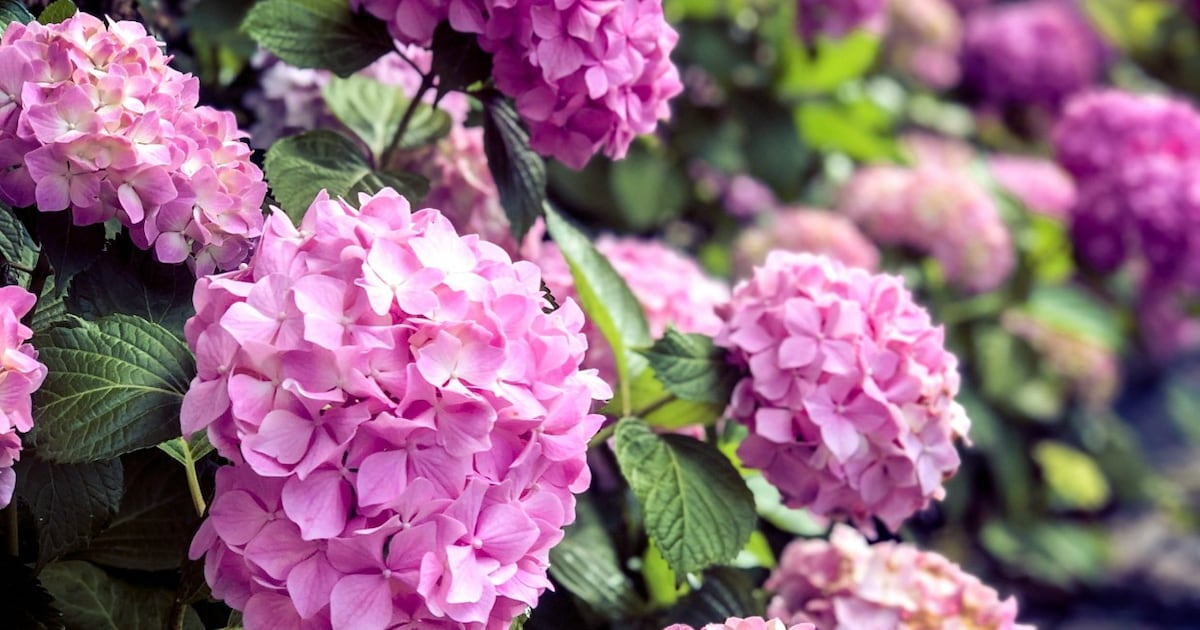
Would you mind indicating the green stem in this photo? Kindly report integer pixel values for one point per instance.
(602, 435)
(394, 147)
(194, 483)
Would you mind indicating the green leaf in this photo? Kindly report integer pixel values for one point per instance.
(154, 524)
(1074, 477)
(189, 451)
(1072, 309)
(725, 592)
(696, 508)
(648, 189)
(692, 368)
(70, 248)
(603, 294)
(586, 564)
(768, 503)
(373, 110)
(300, 166)
(16, 246)
(835, 62)
(322, 34)
(836, 127)
(661, 582)
(92, 599)
(129, 280)
(57, 11)
(659, 408)
(520, 173)
(14, 11)
(69, 502)
(458, 61)
(114, 386)
(24, 600)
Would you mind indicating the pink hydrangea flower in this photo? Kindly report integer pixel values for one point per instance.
(923, 40)
(407, 424)
(749, 623)
(93, 119)
(849, 395)
(804, 230)
(846, 583)
(671, 288)
(587, 76)
(1041, 185)
(939, 211)
(461, 185)
(836, 18)
(20, 375)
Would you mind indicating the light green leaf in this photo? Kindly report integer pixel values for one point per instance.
(373, 110)
(14, 11)
(70, 502)
(1074, 477)
(651, 402)
(189, 451)
(520, 173)
(603, 294)
(300, 166)
(323, 34)
(57, 11)
(696, 508)
(692, 368)
(768, 502)
(1071, 308)
(662, 584)
(90, 598)
(834, 127)
(835, 62)
(114, 386)
(586, 564)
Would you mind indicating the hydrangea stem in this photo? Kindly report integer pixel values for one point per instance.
(194, 482)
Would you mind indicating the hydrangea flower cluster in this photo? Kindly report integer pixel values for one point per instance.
(1006, 61)
(407, 424)
(586, 76)
(804, 230)
(749, 623)
(1086, 363)
(836, 18)
(939, 211)
(924, 38)
(849, 395)
(1040, 184)
(671, 288)
(20, 375)
(93, 119)
(846, 583)
(1136, 161)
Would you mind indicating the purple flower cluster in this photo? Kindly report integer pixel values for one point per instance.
(1007, 62)
(93, 119)
(1136, 162)
(850, 391)
(407, 424)
(20, 375)
(836, 18)
(587, 75)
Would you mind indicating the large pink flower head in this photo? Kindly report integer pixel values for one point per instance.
(849, 394)
(1006, 61)
(20, 375)
(672, 289)
(846, 583)
(836, 18)
(936, 210)
(587, 75)
(749, 623)
(1136, 162)
(93, 119)
(1040, 184)
(407, 424)
(804, 230)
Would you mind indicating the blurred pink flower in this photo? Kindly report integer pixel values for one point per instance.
(749, 623)
(804, 230)
(1041, 185)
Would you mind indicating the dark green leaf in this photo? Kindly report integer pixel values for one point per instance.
(57, 11)
(648, 189)
(71, 248)
(93, 600)
(696, 507)
(300, 166)
(16, 246)
(69, 502)
(322, 34)
(114, 386)
(427, 125)
(726, 592)
(603, 294)
(25, 603)
(458, 61)
(586, 564)
(520, 173)
(692, 368)
(155, 522)
(132, 282)
(14, 11)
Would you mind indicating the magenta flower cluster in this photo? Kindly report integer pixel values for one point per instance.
(797, 229)
(749, 623)
(407, 424)
(836, 18)
(20, 375)
(672, 289)
(1006, 61)
(587, 76)
(1136, 161)
(849, 395)
(93, 119)
(846, 583)
(935, 210)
